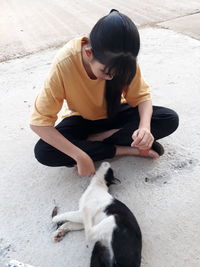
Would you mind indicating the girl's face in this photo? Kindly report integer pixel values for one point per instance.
(99, 70)
(95, 69)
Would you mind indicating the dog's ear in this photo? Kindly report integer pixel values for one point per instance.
(110, 179)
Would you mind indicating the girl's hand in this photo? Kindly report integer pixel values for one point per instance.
(143, 139)
(85, 165)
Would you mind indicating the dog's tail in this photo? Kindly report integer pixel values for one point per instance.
(100, 256)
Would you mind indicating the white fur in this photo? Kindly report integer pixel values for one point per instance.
(90, 216)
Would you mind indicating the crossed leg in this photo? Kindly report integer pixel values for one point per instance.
(72, 222)
(71, 216)
(65, 228)
(102, 230)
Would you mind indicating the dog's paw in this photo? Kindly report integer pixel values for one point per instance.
(58, 219)
(59, 235)
(54, 219)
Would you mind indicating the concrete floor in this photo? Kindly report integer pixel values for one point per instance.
(28, 26)
(163, 194)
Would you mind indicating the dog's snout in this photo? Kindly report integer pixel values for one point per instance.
(106, 165)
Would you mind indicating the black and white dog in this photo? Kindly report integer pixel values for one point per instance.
(107, 222)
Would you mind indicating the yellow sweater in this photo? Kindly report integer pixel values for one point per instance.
(68, 80)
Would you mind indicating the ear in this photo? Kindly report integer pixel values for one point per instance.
(110, 179)
(116, 181)
(88, 51)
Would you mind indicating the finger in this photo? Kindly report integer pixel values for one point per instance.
(83, 173)
(92, 173)
(145, 140)
(137, 141)
(134, 137)
(148, 145)
(145, 147)
(138, 138)
(141, 139)
(151, 143)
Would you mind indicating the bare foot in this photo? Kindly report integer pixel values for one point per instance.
(101, 136)
(126, 150)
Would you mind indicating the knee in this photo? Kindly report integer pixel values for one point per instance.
(173, 120)
(169, 121)
(50, 156)
(164, 122)
(40, 153)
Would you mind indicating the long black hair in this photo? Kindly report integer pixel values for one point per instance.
(115, 43)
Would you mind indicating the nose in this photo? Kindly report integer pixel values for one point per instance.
(108, 77)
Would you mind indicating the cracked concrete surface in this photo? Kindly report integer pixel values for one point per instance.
(163, 194)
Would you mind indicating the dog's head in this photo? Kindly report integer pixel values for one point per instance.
(106, 173)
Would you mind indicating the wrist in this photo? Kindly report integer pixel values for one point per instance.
(80, 155)
(145, 126)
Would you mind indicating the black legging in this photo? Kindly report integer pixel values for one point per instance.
(76, 129)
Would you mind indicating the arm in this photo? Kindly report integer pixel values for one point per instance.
(47, 105)
(145, 111)
(51, 136)
(138, 94)
(143, 139)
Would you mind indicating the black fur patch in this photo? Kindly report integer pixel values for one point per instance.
(100, 256)
(127, 237)
(109, 177)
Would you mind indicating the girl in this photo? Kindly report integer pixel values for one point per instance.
(110, 103)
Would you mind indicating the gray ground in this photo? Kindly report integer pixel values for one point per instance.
(163, 194)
